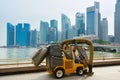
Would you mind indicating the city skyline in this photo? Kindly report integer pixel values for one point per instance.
(20, 11)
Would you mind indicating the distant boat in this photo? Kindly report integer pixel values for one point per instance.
(17, 46)
(4, 46)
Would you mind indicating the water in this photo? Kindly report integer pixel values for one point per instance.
(99, 55)
(8, 55)
(16, 55)
(13, 53)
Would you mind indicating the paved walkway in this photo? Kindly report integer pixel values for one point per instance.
(100, 73)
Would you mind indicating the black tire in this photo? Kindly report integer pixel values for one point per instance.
(59, 73)
(80, 71)
(85, 71)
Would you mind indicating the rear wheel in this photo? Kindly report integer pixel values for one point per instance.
(59, 73)
(79, 71)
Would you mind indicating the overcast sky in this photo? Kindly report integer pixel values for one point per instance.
(32, 11)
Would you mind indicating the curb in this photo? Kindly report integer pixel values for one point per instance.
(28, 69)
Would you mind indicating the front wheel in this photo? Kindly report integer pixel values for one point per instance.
(59, 73)
(79, 71)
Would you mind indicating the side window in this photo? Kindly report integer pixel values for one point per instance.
(63, 54)
(68, 52)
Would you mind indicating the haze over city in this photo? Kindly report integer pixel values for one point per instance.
(32, 11)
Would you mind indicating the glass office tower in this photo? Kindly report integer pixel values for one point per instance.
(10, 34)
(104, 29)
(65, 24)
(33, 38)
(117, 22)
(80, 23)
(23, 34)
(44, 32)
(93, 19)
(54, 30)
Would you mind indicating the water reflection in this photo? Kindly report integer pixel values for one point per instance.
(10, 53)
(23, 54)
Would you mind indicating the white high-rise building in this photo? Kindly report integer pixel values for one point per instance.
(104, 29)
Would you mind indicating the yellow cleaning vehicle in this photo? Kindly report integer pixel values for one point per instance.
(66, 58)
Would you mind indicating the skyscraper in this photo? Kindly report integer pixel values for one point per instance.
(33, 38)
(117, 22)
(44, 32)
(54, 29)
(18, 32)
(10, 34)
(23, 38)
(99, 26)
(52, 34)
(27, 32)
(59, 38)
(93, 19)
(111, 38)
(80, 23)
(72, 32)
(65, 24)
(104, 29)
(23, 34)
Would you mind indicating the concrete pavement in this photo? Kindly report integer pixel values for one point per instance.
(100, 73)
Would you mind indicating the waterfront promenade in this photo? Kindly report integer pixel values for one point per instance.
(100, 73)
(29, 67)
